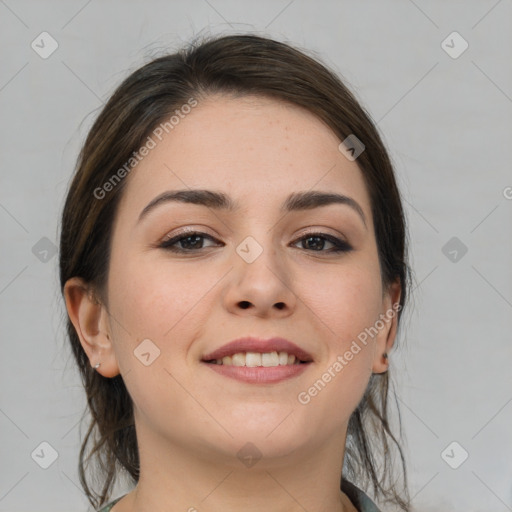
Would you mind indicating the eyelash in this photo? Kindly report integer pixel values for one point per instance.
(339, 245)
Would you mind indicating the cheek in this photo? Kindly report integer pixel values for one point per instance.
(346, 299)
(155, 312)
(152, 299)
(166, 303)
(345, 302)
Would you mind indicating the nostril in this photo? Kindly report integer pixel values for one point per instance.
(244, 304)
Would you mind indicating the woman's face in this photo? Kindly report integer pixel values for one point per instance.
(253, 272)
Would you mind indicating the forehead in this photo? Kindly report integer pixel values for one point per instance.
(256, 148)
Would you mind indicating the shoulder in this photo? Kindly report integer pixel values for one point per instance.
(359, 498)
(107, 507)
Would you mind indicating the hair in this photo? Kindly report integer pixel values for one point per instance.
(234, 65)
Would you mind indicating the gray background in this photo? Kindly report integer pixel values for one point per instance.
(447, 124)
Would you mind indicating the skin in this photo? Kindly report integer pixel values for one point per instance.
(191, 421)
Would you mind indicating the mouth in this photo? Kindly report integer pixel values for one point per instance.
(259, 368)
(253, 352)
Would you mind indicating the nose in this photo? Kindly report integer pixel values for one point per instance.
(262, 286)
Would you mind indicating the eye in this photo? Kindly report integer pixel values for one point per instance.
(191, 239)
(318, 240)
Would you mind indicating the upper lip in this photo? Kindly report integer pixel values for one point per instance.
(251, 344)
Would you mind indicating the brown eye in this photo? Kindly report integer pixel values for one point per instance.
(190, 242)
(317, 242)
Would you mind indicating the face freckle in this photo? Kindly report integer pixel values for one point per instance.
(191, 304)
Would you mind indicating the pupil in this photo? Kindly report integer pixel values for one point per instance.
(195, 237)
(316, 238)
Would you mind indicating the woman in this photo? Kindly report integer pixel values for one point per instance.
(233, 262)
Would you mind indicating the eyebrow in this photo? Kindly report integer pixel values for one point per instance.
(297, 201)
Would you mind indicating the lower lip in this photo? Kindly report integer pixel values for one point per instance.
(259, 374)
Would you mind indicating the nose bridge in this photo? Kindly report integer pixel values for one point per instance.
(258, 252)
(261, 243)
(256, 232)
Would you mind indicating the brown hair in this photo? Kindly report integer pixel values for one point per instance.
(238, 65)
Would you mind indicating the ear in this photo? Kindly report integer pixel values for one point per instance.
(91, 321)
(385, 337)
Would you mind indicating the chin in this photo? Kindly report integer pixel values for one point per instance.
(263, 452)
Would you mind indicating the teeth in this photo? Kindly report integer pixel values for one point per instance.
(283, 358)
(270, 359)
(237, 360)
(253, 359)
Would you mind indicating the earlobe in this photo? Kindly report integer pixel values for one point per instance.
(386, 336)
(88, 316)
(381, 363)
